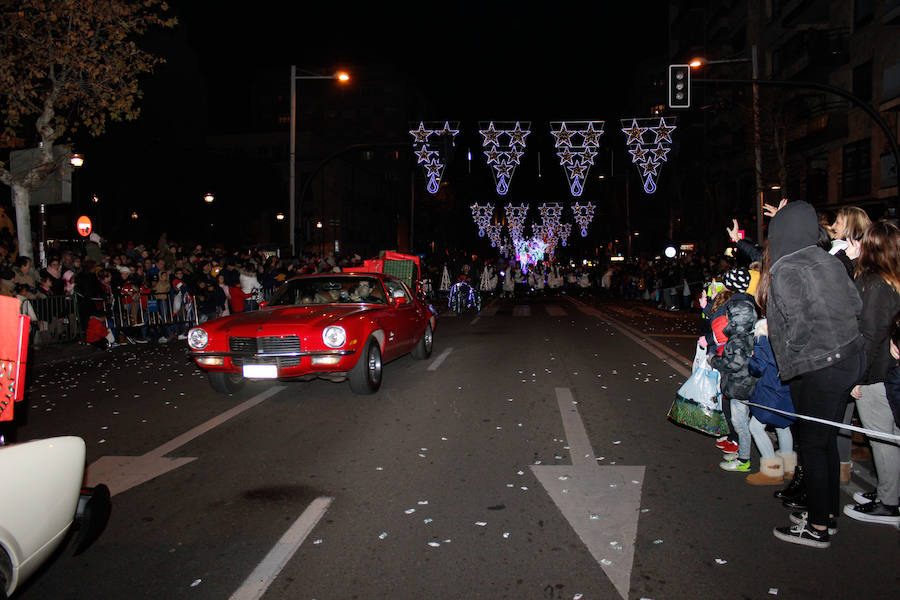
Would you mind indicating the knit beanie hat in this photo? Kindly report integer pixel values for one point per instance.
(737, 279)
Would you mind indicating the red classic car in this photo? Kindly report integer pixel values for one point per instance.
(335, 326)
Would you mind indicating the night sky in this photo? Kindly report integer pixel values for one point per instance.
(472, 60)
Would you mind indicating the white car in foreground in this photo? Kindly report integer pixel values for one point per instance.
(40, 498)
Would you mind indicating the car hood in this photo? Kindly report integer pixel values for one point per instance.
(289, 316)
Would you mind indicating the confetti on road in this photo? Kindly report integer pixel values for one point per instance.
(481, 523)
(657, 542)
(773, 591)
(434, 544)
(720, 561)
(196, 582)
(382, 535)
(409, 511)
(605, 562)
(317, 541)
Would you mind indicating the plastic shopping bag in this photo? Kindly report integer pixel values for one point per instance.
(698, 403)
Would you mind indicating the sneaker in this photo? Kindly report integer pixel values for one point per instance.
(873, 512)
(720, 442)
(865, 497)
(142, 341)
(130, 340)
(182, 336)
(729, 446)
(162, 340)
(803, 534)
(742, 466)
(803, 517)
(729, 456)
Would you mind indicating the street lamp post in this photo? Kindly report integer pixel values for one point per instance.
(757, 149)
(293, 210)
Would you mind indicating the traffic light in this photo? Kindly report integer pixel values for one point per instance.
(679, 86)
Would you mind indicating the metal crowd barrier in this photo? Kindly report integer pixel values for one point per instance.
(58, 318)
(162, 312)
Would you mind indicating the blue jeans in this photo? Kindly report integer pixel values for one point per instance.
(764, 444)
(740, 420)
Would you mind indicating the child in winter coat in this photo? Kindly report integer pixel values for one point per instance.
(770, 391)
(733, 364)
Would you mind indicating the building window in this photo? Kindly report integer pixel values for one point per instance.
(856, 178)
(862, 81)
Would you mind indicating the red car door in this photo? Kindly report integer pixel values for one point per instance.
(404, 319)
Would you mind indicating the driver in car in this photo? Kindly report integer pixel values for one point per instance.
(363, 292)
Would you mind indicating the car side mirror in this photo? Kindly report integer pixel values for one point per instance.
(398, 298)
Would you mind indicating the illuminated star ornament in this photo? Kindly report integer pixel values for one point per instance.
(583, 215)
(432, 142)
(503, 147)
(515, 220)
(577, 142)
(482, 215)
(647, 154)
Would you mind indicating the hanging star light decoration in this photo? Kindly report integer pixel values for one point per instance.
(515, 220)
(432, 146)
(551, 214)
(649, 155)
(563, 231)
(504, 148)
(482, 215)
(583, 215)
(493, 232)
(577, 142)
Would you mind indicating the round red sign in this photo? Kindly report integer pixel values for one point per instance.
(83, 225)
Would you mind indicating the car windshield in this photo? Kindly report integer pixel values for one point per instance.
(329, 290)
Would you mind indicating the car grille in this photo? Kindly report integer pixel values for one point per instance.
(265, 345)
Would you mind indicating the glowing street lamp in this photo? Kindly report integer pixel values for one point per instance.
(209, 198)
(279, 216)
(342, 77)
(77, 160)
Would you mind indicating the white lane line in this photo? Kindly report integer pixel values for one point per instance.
(121, 473)
(199, 430)
(441, 358)
(265, 573)
(580, 448)
(679, 363)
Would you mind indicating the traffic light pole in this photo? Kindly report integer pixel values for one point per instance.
(892, 139)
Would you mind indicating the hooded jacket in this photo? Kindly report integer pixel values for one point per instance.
(813, 309)
(734, 361)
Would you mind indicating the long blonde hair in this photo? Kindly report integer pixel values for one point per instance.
(856, 221)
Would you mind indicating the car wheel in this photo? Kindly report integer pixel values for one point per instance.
(365, 376)
(225, 383)
(423, 348)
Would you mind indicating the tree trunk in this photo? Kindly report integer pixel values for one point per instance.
(21, 201)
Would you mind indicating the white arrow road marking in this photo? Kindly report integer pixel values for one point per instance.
(122, 473)
(265, 573)
(600, 503)
(441, 358)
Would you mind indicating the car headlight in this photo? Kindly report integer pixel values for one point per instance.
(334, 336)
(198, 338)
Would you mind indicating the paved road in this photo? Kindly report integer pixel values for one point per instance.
(530, 457)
